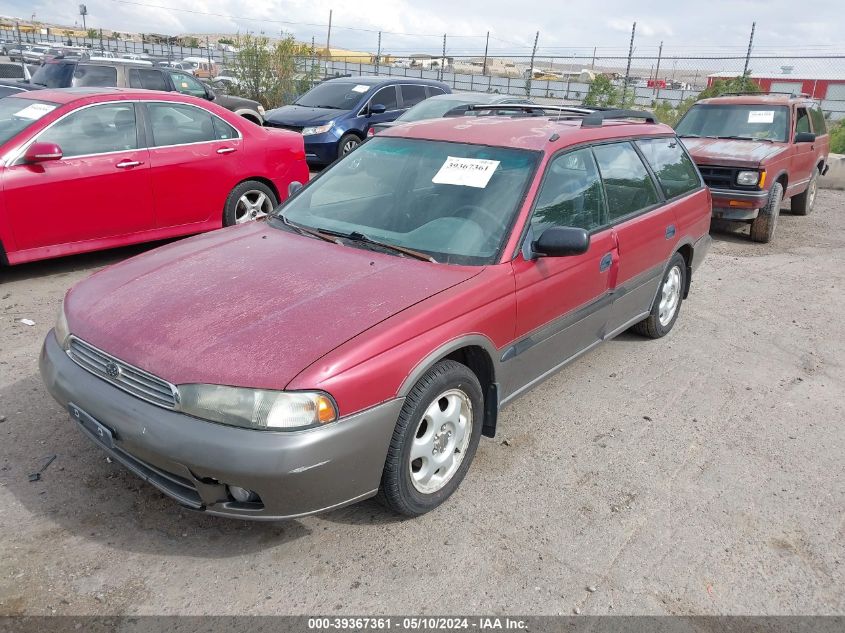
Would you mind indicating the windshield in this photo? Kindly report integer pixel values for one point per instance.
(53, 75)
(759, 122)
(18, 114)
(337, 95)
(452, 201)
(433, 109)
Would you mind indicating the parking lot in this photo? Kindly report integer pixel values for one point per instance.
(700, 473)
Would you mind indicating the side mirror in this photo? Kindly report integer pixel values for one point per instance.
(561, 241)
(209, 94)
(805, 137)
(377, 108)
(42, 153)
(293, 187)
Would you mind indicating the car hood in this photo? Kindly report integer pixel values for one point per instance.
(249, 306)
(731, 152)
(230, 102)
(295, 115)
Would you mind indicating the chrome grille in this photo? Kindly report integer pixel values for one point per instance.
(123, 375)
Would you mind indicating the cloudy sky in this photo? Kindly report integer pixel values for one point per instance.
(685, 26)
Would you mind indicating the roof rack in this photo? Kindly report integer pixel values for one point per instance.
(763, 93)
(597, 118)
(529, 109)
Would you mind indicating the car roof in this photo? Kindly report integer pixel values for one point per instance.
(475, 97)
(533, 133)
(69, 95)
(756, 99)
(377, 81)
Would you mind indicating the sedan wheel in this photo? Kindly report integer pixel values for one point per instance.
(252, 205)
(441, 441)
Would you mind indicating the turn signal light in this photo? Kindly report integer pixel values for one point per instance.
(762, 182)
(740, 203)
(325, 410)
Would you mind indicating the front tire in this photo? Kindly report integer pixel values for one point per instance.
(802, 204)
(667, 303)
(763, 226)
(434, 441)
(348, 142)
(248, 201)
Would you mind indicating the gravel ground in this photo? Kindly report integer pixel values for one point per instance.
(698, 474)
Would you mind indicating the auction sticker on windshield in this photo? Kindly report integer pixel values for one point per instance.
(35, 111)
(761, 116)
(466, 172)
(360, 88)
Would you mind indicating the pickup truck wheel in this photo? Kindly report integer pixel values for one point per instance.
(434, 441)
(763, 226)
(248, 201)
(667, 303)
(802, 204)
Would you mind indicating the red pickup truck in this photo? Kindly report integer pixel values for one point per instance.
(756, 150)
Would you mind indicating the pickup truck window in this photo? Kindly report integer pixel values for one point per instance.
(739, 121)
(802, 123)
(819, 126)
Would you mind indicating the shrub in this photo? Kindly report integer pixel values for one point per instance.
(602, 93)
(837, 138)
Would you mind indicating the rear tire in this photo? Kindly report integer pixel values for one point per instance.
(763, 226)
(667, 303)
(802, 204)
(434, 441)
(248, 201)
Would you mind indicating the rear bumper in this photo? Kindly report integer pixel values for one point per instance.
(729, 204)
(192, 461)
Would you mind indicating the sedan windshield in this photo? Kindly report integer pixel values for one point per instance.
(754, 122)
(450, 201)
(336, 95)
(18, 114)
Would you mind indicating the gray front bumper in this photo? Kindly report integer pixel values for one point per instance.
(191, 460)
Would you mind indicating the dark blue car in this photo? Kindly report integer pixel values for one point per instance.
(335, 115)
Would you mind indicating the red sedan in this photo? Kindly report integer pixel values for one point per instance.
(86, 169)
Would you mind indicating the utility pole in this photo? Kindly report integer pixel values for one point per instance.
(378, 53)
(628, 67)
(531, 66)
(486, 45)
(657, 74)
(593, 63)
(442, 58)
(208, 52)
(20, 47)
(329, 36)
(748, 54)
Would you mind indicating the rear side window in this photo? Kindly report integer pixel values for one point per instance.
(571, 194)
(628, 185)
(223, 130)
(147, 78)
(177, 124)
(86, 75)
(819, 126)
(673, 167)
(412, 95)
(433, 91)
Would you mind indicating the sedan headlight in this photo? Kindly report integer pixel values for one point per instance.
(748, 178)
(317, 129)
(62, 330)
(257, 408)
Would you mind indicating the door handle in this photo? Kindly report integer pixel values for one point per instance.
(126, 164)
(605, 262)
(225, 150)
(670, 231)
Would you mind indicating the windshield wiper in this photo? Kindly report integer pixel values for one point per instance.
(355, 236)
(746, 138)
(304, 230)
(696, 136)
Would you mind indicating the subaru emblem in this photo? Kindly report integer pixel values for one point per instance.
(112, 370)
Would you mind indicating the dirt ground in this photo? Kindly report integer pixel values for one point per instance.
(698, 474)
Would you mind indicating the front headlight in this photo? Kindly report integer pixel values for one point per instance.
(257, 408)
(62, 330)
(748, 177)
(318, 129)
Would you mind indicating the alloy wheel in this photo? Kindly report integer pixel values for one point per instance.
(252, 205)
(671, 296)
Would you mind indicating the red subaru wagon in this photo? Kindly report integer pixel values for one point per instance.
(83, 169)
(405, 296)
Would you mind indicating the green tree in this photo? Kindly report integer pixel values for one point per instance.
(740, 83)
(190, 42)
(227, 41)
(602, 93)
(92, 34)
(670, 113)
(272, 73)
(837, 138)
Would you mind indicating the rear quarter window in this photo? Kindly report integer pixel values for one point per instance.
(670, 162)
